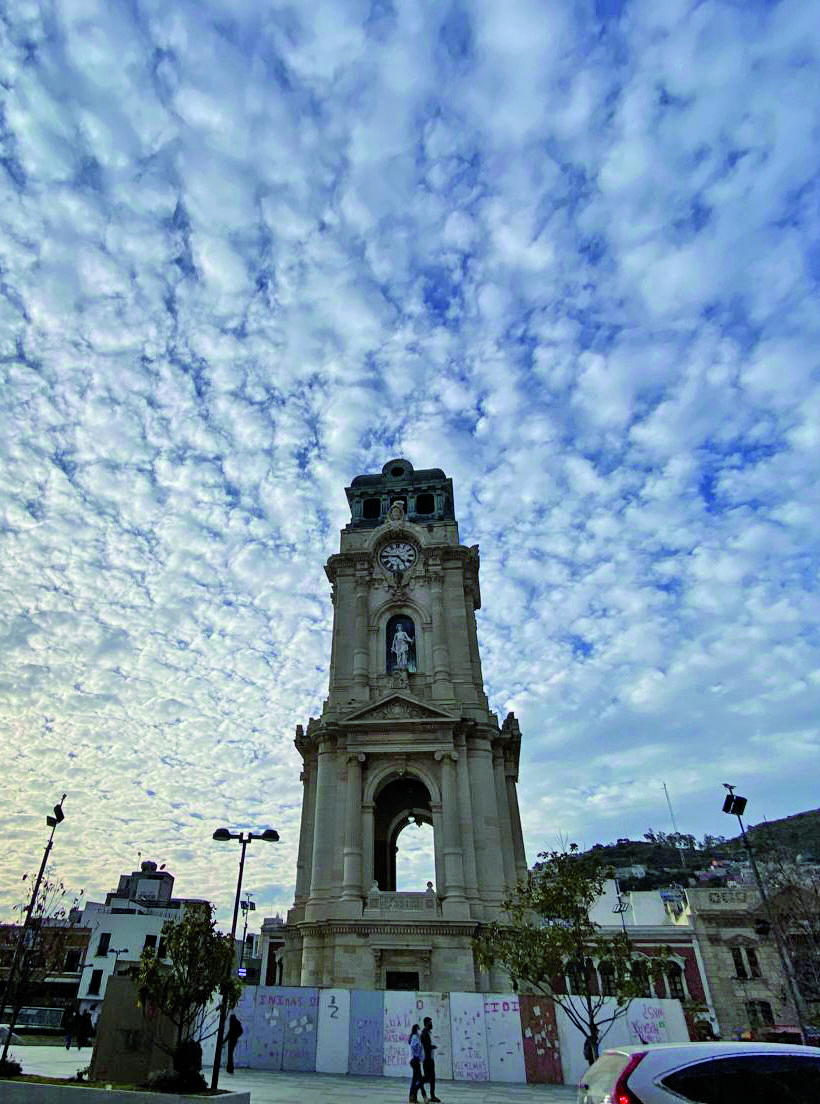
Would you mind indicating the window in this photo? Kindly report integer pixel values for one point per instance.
(161, 949)
(150, 943)
(760, 1013)
(407, 980)
(674, 976)
(640, 975)
(575, 977)
(754, 965)
(72, 960)
(607, 972)
(371, 508)
(425, 504)
(96, 981)
(104, 943)
(740, 965)
(752, 1078)
(746, 962)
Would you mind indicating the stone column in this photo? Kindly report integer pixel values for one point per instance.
(454, 903)
(367, 845)
(505, 828)
(519, 852)
(465, 809)
(323, 841)
(303, 863)
(485, 827)
(352, 884)
(438, 845)
(360, 646)
(442, 679)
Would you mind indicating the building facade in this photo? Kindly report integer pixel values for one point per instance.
(130, 920)
(742, 964)
(405, 736)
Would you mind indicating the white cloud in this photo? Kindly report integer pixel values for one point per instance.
(250, 253)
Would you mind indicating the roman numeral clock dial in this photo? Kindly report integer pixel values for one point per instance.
(398, 556)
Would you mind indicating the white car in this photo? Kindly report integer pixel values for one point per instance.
(709, 1073)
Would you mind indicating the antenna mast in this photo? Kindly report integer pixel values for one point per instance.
(674, 825)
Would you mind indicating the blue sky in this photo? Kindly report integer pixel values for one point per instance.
(568, 252)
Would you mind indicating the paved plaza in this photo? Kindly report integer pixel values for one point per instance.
(314, 1088)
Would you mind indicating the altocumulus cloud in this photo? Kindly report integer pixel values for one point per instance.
(566, 252)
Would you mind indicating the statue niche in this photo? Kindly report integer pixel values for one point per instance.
(400, 643)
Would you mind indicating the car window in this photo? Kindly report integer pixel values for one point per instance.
(750, 1078)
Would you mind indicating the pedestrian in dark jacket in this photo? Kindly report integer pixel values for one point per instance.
(235, 1032)
(429, 1065)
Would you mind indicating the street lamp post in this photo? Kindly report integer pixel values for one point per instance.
(270, 835)
(51, 822)
(735, 805)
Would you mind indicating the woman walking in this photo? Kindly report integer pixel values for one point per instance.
(416, 1056)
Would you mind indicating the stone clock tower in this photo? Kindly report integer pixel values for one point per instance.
(405, 736)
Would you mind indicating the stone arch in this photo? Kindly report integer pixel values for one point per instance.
(397, 793)
(378, 779)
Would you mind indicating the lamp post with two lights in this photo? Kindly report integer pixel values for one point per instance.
(51, 822)
(222, 835)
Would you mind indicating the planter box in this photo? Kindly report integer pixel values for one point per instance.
(27, 1092)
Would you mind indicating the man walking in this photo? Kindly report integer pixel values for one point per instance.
(429, 1064)
(235, 1032)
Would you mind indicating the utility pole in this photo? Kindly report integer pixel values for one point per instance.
(734, 805)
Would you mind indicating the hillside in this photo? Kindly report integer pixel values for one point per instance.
(679, 858)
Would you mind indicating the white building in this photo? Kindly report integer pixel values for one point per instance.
(130, 920)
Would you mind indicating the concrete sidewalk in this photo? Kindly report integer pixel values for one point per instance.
(314, 1088)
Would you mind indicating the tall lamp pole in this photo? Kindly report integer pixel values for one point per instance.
(52, 822)
(734, 805)
(270, 835)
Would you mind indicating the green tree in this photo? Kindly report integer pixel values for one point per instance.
(549, 937)
(200, 964)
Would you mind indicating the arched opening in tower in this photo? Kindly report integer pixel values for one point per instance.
(401, 803)
(415, 856)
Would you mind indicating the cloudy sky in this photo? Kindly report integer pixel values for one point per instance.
(566, 251)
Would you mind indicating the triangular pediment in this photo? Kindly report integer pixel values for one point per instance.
(397, 707)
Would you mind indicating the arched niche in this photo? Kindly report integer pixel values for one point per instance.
(400, 644)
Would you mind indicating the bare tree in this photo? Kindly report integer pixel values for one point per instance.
(34, 949)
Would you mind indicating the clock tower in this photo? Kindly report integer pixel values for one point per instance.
(405, 736)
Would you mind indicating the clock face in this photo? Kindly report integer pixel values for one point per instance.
(398, 555)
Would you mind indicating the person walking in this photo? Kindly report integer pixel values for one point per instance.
(429, 1064)
(235, 1033)
(416, 1057)
(84, 1029)
(70, 1028)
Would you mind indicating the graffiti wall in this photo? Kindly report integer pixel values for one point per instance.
(479, 1036)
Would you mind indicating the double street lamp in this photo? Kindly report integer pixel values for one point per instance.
(735, 805)
(222, 835)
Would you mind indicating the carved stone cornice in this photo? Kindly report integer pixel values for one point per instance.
(368, 928)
